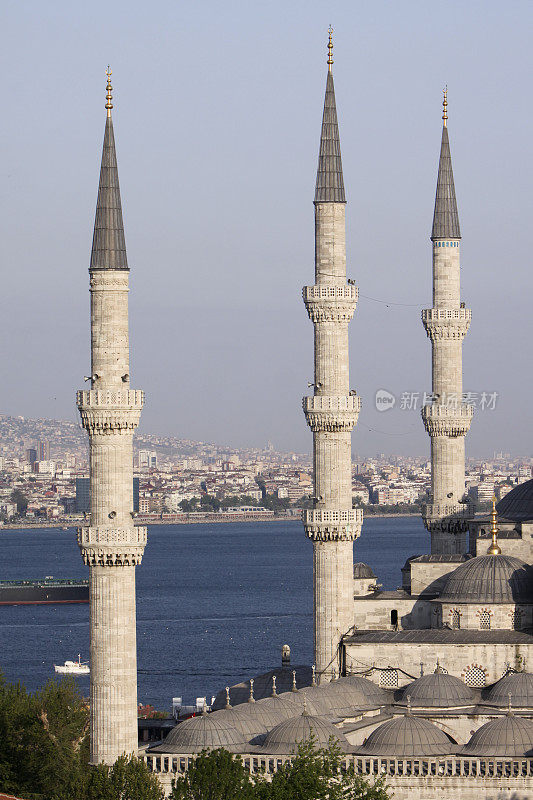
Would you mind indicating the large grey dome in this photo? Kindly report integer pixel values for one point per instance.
(517, 684)
(438, 690)
(509, 737)
(407, 736)
(490, 579)
(284, 738)
(206, 732)
(518, 504)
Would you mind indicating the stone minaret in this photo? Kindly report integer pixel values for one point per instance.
(333, 409)
(447, 419)
(111, 545)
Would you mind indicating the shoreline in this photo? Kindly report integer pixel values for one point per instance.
(192, 519)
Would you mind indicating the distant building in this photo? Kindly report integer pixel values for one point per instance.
(43, 451)
(83, 495)
(31, 455)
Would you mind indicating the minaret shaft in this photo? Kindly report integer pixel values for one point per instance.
(332, 411)
(109, 329)
(111, 545)
(447, 418)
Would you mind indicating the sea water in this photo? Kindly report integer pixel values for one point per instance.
(215, 602)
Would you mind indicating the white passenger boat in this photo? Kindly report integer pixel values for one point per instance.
(78, 667)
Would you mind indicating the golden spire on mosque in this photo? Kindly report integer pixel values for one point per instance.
(494, 549)
(109, 88)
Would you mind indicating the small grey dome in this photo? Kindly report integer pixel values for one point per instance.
(517, 684)
(517, 505)
(407, 736)
(284, 738)
(356, 692)
(490, 579)
(206, 732)
(361, 570)
(509, 736)
(254, 719)
(438, 690)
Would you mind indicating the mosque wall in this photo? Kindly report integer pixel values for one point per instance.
(476, 664)
(483, 616)
(429, 576)
(389, 614)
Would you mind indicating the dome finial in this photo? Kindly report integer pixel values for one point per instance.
(228, 704)
(274, 693)
(509, 705)
(305, 712)
(445, 105)
(109, 88)
(251, 699)
(494, 549)
(313, 679)
(294, 688)
(409, 707)
(330, 48)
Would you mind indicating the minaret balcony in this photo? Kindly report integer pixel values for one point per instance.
(332, 413)
(447, 518)
(330, 302)
(112, 547)
(446, 323)
(447, 420)
(323, 524)
(110, 411)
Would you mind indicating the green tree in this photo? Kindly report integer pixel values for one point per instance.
(316, 774)
(18, 497)
(43, 740)
(214, 775)
(127, 779)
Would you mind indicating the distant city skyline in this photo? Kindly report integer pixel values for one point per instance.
(217, 114)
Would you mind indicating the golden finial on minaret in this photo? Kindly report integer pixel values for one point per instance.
(494, 549)
(330, 48)
(445, 105)
(109, 96)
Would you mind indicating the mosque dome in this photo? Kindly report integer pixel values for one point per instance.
(517, 505)
(205, 732)
(355, 691)
(284, 738)
(489, 579)
(517, 684)
(407, 736)
(240, 692)
(438, 690)
(255, 719)
(508, 737)
(361, 570)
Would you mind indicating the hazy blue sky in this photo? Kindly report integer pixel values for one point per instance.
(217, 120)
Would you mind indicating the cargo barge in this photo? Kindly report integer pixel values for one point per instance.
(49, 590)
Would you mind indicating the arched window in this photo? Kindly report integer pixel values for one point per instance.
(475, 677)
(388, 679)
(456, 619)
(484, 621)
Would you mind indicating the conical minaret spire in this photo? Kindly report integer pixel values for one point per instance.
(109, 246)
(333, 409)
(446, 418)
(329, 179)
(445, 215)
(111, 545)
